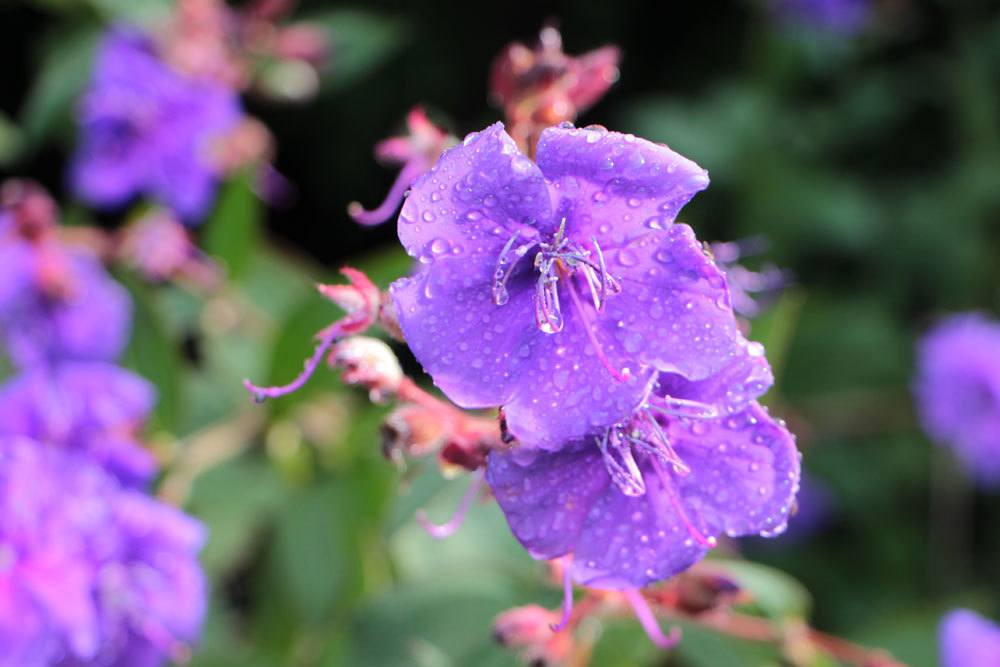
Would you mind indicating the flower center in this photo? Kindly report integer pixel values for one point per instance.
(557, 259)
(642, 434)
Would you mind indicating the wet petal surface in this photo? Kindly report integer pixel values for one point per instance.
(621, 186)
(673, 312)
(470, 203)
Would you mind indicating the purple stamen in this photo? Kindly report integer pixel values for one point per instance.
(261, 394)
(682, 407)
(649, 622)
(450, 527)
(501, 275)
(567, 605)
(625, 474)
(548, 312)
(409, 173)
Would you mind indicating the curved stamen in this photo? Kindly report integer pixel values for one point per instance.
(683, 407)
(327, 338)
(625, 474)
(650, 439)
(409, 173)
(567, 604)
(648, 620)
(548, 312)
(451, 526)
(505, 266)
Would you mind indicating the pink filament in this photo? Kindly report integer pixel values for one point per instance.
(409, 173)
(450, 527)
(668, 488)
(588, 327)
(567, 605)
(649, 622)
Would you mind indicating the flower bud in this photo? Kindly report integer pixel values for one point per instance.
(411, 430)
(360, 299)
(524, 627)
(368, 362)
(157, 245)
(32, 210)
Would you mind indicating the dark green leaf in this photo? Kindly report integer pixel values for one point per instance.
(233, 233)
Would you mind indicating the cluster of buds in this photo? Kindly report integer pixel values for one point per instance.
(247, 48)
(422, 424)
(705, 595)
(542, 86)
(537, 88)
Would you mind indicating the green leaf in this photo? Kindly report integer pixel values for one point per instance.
(11, 140)
(360, 41)
(775, 594)
(316, 550)
(133, 11)
(234, 231)
(61, 77)
(153, 353)
(440, 620)
(775, 328)
(236, 500)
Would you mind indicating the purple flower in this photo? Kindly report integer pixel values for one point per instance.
(846, 17)
(750, 291)
(647, 499)
(958, 391)
(91, 573)
(57, 304)
(559, 289)
(93, 408)
(968, 640)
(149, 129)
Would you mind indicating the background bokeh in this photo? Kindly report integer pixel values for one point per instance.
(870, 161)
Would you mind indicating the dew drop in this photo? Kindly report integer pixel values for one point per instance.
(627, 258)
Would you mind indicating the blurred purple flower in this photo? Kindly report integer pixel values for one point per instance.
(58, 304)
(750, 291)
(958, 391)
(558, 289)
(968, 640)
(846, 17)
(91, 573)
(93, 408)
(647, 499)
(146, 128)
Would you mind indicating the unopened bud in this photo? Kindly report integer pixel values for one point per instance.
(32, 210)
(361, 299)
(463, 454)
(302, 41)
(699, 591)
(524, 627)
(157, 245)
(368, 362)
(411, 430)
